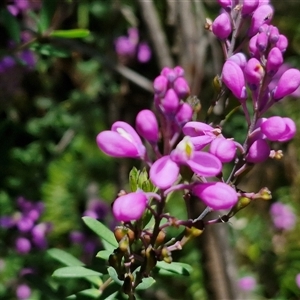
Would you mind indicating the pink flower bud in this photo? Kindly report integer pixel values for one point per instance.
(249, 6)
(147, 126)
(22, 245)
(223, 149)
(169, 73)
(160, 85)
(283, 216)
(273, 128)
(287, 84)
(216, 195)
(179, 71)
(258, 152)
(233, 77)
(130, 207)
(290, 130)
(121, 141)
(221, 26)
(262, 42)
(226, 4)
(170, 102)
(254, 73)
(143, 53)
(240, 59)
(253, 46)
(282, 43)
(273, 35)
(262, 15)
(23, 292)
(247, 283)
(181, 87)
(164, 172)
(184, 114)
(274, 61)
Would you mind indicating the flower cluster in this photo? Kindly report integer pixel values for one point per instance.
(28, 232)
(283, 216)
(188, 156)
(128, 47)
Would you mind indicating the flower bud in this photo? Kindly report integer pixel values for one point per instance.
(233, 77)
(184, 114)
(169, 73)
(223, 149)
(249, 6)
(221, 26)
(143, 53)
(273, 35)
(160, 85)
(253, 46)
(226, 4)
(179, 71)
(262, 15)
(287, 84)
(254, 73)
(170, 102)
(258, 152)
(262, 42)
(282, 43)
(130, 207)
(274, 61)
(147, 126)
(23, 292)
(181, 87)
(22, 245)
(240, 59)
(216, 195)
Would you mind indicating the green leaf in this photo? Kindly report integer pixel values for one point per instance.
(50, 50)
(104, 254)
(174, 268)
(133, 178)
(74, 272)
(70, 34)
(146, 283)
(93, 293)
(64, 257)
(11, 24)
(114, 275)
(102, 231)
(46, 15)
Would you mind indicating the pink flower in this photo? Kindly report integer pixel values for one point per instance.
(184, 113)
(130, 207)
(223, 149)
(216, 195)
(143, 53)
(233, 77)
(121, 141)
(147, 126)
(249, 6)
(297, 279)
(247, 283)
(254, 73)
(274, 61)
(282, 215)
(221, 27)
(258, 152)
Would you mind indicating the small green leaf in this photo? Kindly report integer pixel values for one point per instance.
(102, 231)
(133, 178)
(70, 34)
(74, 272)
(104, 254)
(49, 50)
(93, 293)
(46, 14)
(114, 275)
(175, 268)
(146, 283)
(64, 257)
(11, 24)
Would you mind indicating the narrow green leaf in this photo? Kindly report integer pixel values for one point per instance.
(102, 231)
(146, 283)
(11, 24)
(93, 293)
(64, 257)
(70, 34)
(175, 268)
(104, 254)
(50, 50)
(111, 297)
(114, 275)
(46, 14)
(74, 272)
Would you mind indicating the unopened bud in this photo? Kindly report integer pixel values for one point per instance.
(124, 244)
(264, 194)
(242, 203)
(121, 231)
(127, 285)
(160, 238)
(276, 154)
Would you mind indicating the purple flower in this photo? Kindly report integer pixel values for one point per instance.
(121, 141)
(226, 4)
(170, 102)
(160, 85)
(254, 73)
(282, 43)
(240, 59)
(184, 114)
(130, 207)
(181, 87)
(223, 149)
(124, 46)
(76, 237)
(23, 292)
(249, 6)
(274, 61)
(287, 84)
(147, 126)
(262, 42)
(143, 53)
(221, 26)
(282, 216)
(22, 245)
(233, 77)
(247, 283)
(216, 195)
(258, 152)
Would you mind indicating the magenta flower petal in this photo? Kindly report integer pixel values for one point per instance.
(170, 102)
(223, 149)
(247, 283)
(290, 130)
(143, 53)
(147, 126)
(274, 61)
(287, 84)
(254, 72)
(160, 85)
(129, 207)
(258, 152)
(221, 26)
(205, 164)
(249, 6)
(240, 59)
(184, 113)
(196, 128)
(200, 142)
(273, 128)
(164, 172)
(216, 195)
(181, 87)
(233, 77)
